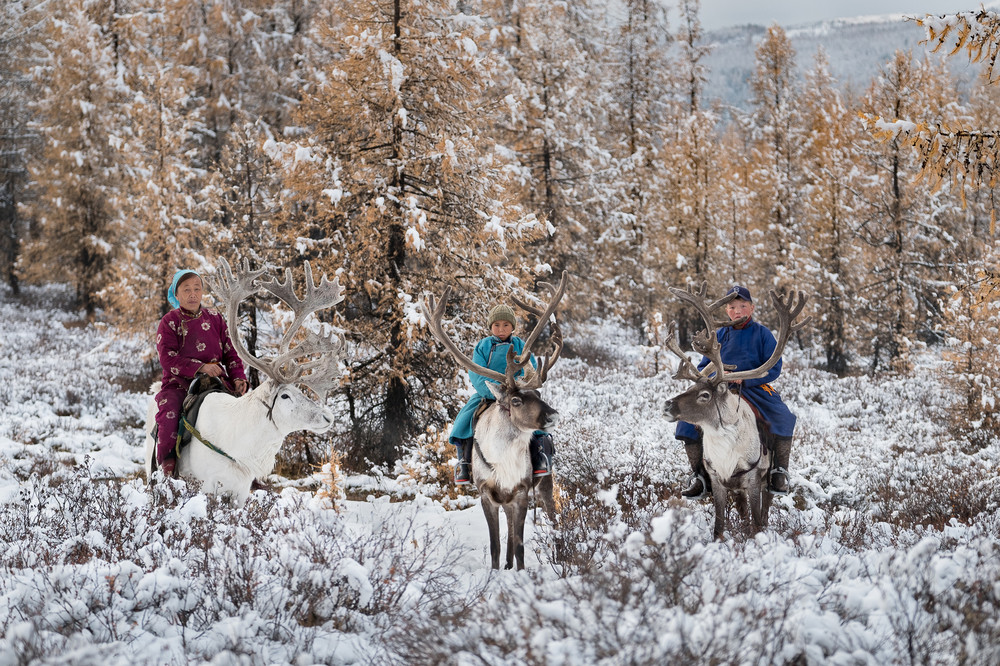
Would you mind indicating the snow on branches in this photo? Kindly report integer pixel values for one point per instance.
(976, 32)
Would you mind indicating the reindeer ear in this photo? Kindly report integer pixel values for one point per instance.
(496, 390)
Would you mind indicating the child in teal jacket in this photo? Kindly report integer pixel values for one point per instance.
(491, 352)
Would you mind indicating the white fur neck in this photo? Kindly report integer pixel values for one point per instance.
(255, 452)
(732, 445)
(505, 448)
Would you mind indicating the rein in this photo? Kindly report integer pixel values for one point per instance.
(197, 435)
(480, 452)
(751, 467)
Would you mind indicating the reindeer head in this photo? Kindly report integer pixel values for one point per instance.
(701, 403)
(517, 398)
(311, 361)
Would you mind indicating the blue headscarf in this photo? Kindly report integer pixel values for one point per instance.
(172, 292)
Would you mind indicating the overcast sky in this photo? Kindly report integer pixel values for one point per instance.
(723, 13)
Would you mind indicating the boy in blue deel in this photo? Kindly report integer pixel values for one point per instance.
(491, 352)
(747, 347)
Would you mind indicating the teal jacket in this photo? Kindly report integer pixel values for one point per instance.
(490, 353)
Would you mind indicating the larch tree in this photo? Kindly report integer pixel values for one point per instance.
(776, 172)
(831, 209)
(636, 248)
(78, 197)
(741, 246)
(551, 126)
(973, 325)
(962, 154)
(398, 190)
(907, 234)
(693, 178)
(164, 228)
(213, 81)
(17, 138)
(775, 166)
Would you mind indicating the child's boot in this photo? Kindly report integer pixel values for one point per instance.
(463, 470)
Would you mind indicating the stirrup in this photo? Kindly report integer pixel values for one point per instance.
(543, 468)
(704, 488)
(770, 482)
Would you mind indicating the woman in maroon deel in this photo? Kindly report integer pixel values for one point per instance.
(190, 339)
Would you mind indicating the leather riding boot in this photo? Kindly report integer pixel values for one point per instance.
(700, 486)
(540, 449)
(463, 470)
(778, 478)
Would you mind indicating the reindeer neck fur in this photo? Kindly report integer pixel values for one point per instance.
(731, 441)
(505, 447)
(240, 426)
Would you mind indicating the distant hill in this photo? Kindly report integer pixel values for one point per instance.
(856, 48)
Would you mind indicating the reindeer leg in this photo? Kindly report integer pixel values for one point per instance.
(492, 513)
(719, 496)
(765, 507)
(755, 508)
(517, 512)
(740, 500)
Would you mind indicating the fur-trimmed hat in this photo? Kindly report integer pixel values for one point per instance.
(501, 313)
(741, 292)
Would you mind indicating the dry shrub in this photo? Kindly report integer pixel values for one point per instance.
(431, 468)
(943, 490)
(301, 454)
(332, 481)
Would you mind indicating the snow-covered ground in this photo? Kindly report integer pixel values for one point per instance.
(888, 552)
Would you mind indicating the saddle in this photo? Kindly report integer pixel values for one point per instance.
(484, 404)
(201, 386)
(767, 438)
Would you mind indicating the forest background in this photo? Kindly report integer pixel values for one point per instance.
(406, 146)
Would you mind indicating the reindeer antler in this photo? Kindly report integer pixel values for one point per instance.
(685, 369)
(535, 380)
(788, 308)
(706, 342)
(433, 311)
(233, 288)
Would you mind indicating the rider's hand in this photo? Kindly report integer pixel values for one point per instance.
(211, 369)
(241, 386)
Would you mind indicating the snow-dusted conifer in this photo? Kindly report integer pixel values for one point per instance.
(776, 169)
(76, 210)
(552, 126)
(16, 136)
(636, 246)
(399, 191)
(909, 231)
(830, 211)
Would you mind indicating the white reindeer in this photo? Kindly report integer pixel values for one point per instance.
(238, 438)
(735, 457)
(501, 466)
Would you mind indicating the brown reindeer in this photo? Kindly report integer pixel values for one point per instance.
(735, 457)
(501, 465)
